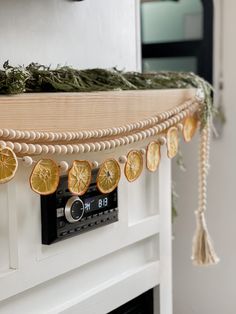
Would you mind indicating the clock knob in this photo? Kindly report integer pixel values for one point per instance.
(74, 209)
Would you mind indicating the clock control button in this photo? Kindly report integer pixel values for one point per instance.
(74, 209)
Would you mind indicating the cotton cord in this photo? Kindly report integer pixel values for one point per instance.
(203, 252)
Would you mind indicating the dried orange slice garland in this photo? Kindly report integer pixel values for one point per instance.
(108, 176)
(45, 176)
(44, 179)
(79, 177)
(172, 142)
(189, 128)
(8, 164)
(153, 156)
(134, 165)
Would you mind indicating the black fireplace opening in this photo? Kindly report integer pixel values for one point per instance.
(143, 304)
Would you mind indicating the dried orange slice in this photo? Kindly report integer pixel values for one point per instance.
(134, 165)
(172, 142)
(8, 164)
(108, 176)
(79, 177)
(153, 156)
(190, 127)
(44, 178)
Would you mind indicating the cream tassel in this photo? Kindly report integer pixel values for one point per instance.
(203, 252)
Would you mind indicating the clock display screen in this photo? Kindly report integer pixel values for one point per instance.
(100, 202)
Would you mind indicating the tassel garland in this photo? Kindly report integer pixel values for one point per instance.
(203, 253)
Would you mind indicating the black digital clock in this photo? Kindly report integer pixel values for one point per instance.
(65, 215)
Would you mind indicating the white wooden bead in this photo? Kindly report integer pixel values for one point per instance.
(18, 134)
(135, 137)
(126, 140)
(17, 147)
(63, 166)
(100, 133)
(103, 146)
(86, 148)
(81, 148)
(24, 148)
(122, 141)
(143, 151)
(32, 148)
(38, 148)
(69, 136)
(58, 149)
(45, 149)
(131, 139)
(32, 135)
(12, 134)
(97, 146)
(140, 137)
(123, 159)
(26, 135)
(75, 148)
(1, 132)
(51, 149)
(162, 139)
(63, 149)
(70, 149)
(95, 164)
(63, 136)
(5, 133)
(10, 145)
(113, 144)
(95, 133)
(92, 147)
(27, 161)
(152, 131)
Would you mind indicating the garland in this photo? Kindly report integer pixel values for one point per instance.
(162, 129)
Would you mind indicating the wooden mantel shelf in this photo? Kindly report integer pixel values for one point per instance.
(77, 111)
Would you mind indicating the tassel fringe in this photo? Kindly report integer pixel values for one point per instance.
(203, 253)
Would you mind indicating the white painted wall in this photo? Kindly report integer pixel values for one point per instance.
(212, 290)
(83, 34)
